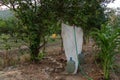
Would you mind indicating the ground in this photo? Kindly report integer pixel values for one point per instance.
(52, 67)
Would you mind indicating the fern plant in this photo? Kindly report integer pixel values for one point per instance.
(108, 42)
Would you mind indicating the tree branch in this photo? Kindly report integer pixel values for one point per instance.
(4, 3)
(42, 45)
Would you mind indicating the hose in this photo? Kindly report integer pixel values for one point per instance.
(79, 66)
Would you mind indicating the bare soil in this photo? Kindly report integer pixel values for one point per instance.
(52, 67)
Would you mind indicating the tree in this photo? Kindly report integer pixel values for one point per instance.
(38, 15)
(87, 14)
(35, 18)
(84, 13)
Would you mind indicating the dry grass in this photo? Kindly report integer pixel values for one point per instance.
(13, 57)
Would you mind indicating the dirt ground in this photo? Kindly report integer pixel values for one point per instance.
(52, 67)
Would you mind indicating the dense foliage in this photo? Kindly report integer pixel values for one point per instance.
(83, 13)
(38, 16)
(8, 26)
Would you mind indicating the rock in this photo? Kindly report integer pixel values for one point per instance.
(59, 78)
(48, 69)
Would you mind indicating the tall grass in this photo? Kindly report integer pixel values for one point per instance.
(108, 42)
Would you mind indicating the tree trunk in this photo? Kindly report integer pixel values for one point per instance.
(34, 39)
(62, 50)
